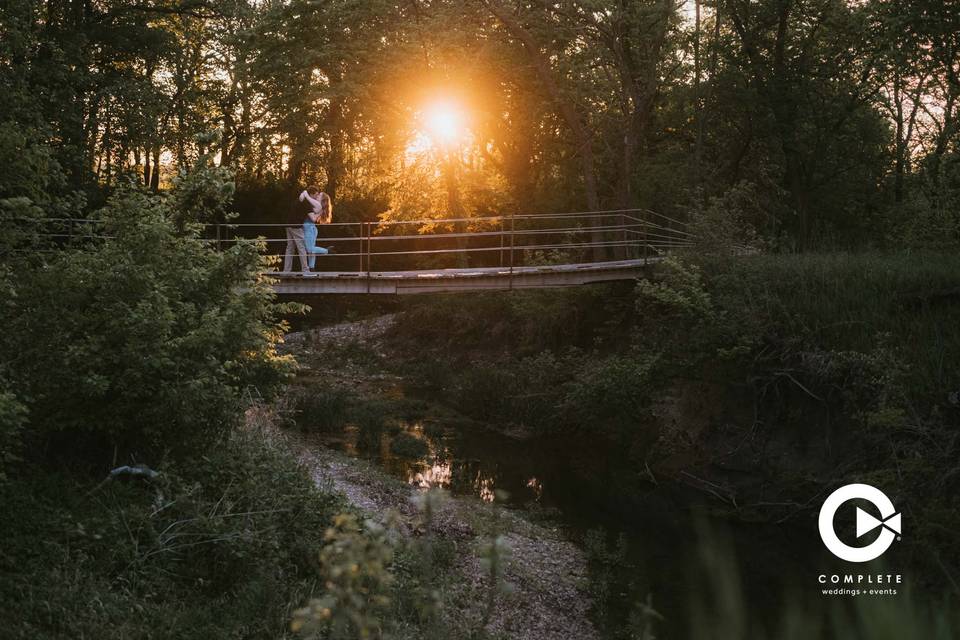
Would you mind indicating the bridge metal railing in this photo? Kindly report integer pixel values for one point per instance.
(504, 241)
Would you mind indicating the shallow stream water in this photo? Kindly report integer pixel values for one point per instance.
(591, 490)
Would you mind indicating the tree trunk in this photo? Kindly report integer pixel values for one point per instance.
(583, 141)
(335, 162)
(698, 103)
(901, 147)
(155, 175)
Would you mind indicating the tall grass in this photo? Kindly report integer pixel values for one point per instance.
(220, 546)
(719, 611)
(908, 304)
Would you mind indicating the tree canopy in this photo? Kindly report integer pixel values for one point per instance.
(840, 116)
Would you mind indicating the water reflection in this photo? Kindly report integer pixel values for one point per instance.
(464, 462)
(485, 488)
(435, 476)
(536, 486)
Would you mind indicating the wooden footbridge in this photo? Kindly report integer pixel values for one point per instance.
(444, 255)
(483, 253)
(466, 279)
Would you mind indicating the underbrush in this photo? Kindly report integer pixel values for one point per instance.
(223, 545)
(871, 335)
(898, 310)
(719, 606)
(518, 324)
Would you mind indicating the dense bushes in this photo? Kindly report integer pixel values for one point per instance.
(889, 307)
(516, 325)
(866, 332)
(141, 342)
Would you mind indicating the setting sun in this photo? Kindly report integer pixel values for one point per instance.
(445, 121)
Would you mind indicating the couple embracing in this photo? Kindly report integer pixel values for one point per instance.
(312, 207)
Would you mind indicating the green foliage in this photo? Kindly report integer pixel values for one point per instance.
(12, 420)
(354, 563)
(613, 391)
(486, 392)
(930, 218)
(378, 583)
(29, 168)
(217, 547)
(893, 310)
(422, 565)
(19, 233)
(203, 194)
(320, 408)
(678, 288)
(146, 340)
(729, 224)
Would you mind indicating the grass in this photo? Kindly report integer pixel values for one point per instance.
(221, 546)
(321, 409)
(907, 304)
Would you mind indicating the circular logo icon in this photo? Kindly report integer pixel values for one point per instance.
(889, 519)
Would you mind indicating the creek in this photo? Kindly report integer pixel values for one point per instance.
(645, 537)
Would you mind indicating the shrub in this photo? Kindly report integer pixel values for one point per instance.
(322, 409)
(204, 193)
(481, 391)
(614, 391)
(144, 342)
(728, 224)
(355, 565)
(12, 419)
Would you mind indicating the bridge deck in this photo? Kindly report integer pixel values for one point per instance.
(448, 280)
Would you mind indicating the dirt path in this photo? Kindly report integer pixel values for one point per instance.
(547, 573)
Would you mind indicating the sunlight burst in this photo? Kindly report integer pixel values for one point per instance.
(446, 122)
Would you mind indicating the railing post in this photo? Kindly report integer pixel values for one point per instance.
(501, 242)
(360, 246)
(625, 249)
(512, 229)
(369, 252)
(645, 245)
(219, 245)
